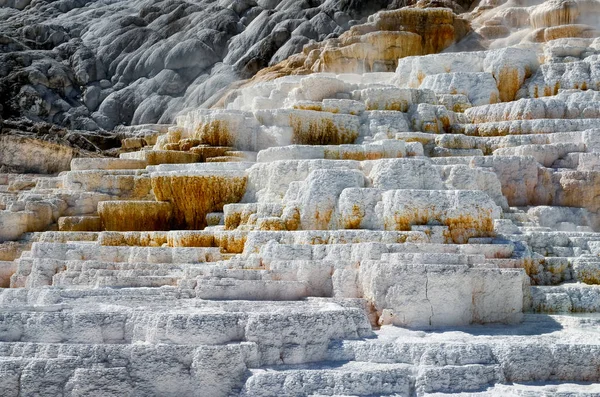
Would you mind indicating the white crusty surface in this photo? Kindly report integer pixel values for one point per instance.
(433, 231)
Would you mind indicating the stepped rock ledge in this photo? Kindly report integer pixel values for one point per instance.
(281, 198)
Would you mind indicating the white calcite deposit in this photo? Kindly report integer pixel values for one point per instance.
(431, 231)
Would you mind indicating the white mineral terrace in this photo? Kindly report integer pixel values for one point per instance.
(432, 231)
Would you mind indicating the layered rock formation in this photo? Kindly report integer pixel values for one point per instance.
(428, 231)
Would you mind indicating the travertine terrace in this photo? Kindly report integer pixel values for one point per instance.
(397, 212)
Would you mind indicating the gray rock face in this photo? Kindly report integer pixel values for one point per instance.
(95, 65)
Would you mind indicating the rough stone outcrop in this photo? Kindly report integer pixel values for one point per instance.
(90, 65)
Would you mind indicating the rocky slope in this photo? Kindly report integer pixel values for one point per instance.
(421, 226)
(98, 64)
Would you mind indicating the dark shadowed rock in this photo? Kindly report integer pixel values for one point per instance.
(93, 65)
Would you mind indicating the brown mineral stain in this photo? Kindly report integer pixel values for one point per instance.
(135, 215)
(194, 196)
(214, 133)
(320, 132)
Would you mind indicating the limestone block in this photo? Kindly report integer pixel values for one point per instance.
(438, 27)
(466, 213)
(551, 77)
(462, 177)
(356, 208)
(518, 176)
(587, 270)
(546, 155)
(510, 67)
(579, 298)
(454, 102)
(414, 149)
(375, 51)
(386, 148)
(576, 189)
(317, 196)
(101, 381)
(352, 378)
(479, 88)
(442, 295)
(405, 174)
(523, 109)
(270, 181)
(523, 127)
(433, 119)
(589, 162)
(412, 71)
(144, 239)
(387, 123)
(393, 98)
(560, 12)
(135, 215)
(555, 217)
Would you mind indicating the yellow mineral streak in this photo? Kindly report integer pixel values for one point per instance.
(232, 242)
(156, 157)
(79, 224)
(205, 152)
(589, 276)
(224, 159)
(355, 153)
(508, 83)
(134, 215)
(172, 146)
(194, 196)
(191, 238)
(313, 106)
(141, 239)
(438, 27)
(399, 105)
(354, 220)
(554, 13)
(271, 224)
(291, 217)
(238, 215)
(381, 48)
(188, 143)
(214, 133)
(559, 32)
(322, 219)
(461, 227)
(320, 132)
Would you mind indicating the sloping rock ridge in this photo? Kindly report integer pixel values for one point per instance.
(94, 65)
(419, 220)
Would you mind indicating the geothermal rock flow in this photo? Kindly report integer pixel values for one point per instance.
(409, 209)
